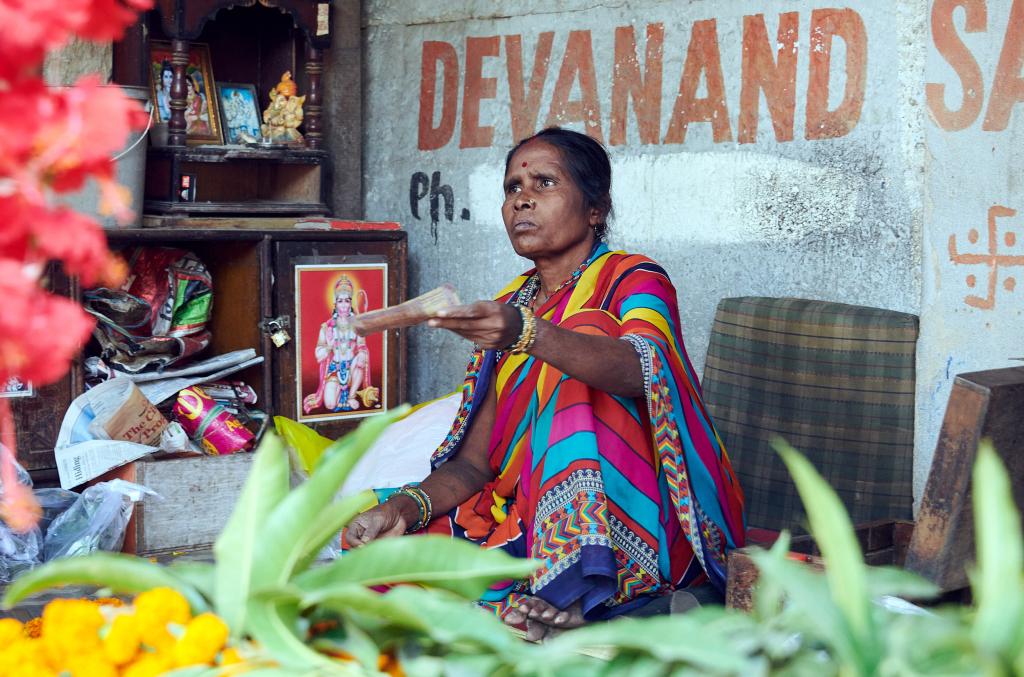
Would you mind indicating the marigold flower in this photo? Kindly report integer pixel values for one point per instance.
(33, 628)
(204, 637)
(91, 664)
(23, 658)
(148, 665)
(70, 627)
(156, 636)
(11, 629)
(230, 656)
(164, 605)
(122, 640)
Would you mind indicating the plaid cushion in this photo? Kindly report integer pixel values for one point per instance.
(836, 381)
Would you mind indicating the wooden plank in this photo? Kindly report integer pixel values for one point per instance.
(199, 493)
(883, 542)
(984, 404)
(249, 207)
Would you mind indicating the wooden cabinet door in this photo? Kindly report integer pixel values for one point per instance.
(37, 417)
(325, 369)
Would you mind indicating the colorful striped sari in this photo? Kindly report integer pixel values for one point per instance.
(620, 499)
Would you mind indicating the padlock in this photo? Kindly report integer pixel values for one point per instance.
(278, 335)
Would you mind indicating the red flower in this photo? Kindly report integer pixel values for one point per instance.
(51, 139)
(39, 333)
(33, 27)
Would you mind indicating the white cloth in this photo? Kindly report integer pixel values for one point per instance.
(402, 453)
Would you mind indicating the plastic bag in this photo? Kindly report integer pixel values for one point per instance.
(53, 501)
(18, 552)
(307, 443)
(159, 316)
(96, 521)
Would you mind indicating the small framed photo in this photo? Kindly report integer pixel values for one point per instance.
(340, 375)
(15, 387)
(239, 109)
(202, 112)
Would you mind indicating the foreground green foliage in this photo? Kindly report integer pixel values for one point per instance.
(804, 623)
(263, 586)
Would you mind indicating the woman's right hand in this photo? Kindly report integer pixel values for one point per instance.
(381, 521)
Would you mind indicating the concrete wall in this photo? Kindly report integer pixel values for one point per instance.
(343, 108)
(770, 148)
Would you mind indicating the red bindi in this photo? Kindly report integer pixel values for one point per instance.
(524, 164)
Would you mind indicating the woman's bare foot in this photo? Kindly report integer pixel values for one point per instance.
(543, 620)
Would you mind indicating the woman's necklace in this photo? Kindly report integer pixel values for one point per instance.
(528, 292)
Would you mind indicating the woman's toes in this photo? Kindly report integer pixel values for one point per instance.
(535, 630)
(515, 616)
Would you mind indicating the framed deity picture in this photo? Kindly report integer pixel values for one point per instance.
(339, 374)
(15, 387)
(239, 108)
(202, 112)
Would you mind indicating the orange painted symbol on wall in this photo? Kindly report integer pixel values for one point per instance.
(992, 260)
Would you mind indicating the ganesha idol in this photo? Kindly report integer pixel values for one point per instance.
(343, 359)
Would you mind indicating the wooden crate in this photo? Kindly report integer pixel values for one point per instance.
(882, 542)
(198, 494)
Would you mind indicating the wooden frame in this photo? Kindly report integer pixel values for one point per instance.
(240, 111)
(202, 109)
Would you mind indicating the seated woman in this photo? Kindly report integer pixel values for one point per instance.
(582, 440)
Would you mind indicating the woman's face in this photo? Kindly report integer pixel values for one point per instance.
(545, 213)
(166, 77)
(343, 305)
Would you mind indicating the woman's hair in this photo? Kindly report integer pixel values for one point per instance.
(587, 163)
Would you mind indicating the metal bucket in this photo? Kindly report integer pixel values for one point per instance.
(129, 170)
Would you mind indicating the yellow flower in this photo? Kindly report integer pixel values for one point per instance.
(204, 637)
(148, 665)
(230, 656)
(21, 658)
(122, 641)
(155, 635)
(70, 627)
(163, 604)
(92, 664)
(10, 630)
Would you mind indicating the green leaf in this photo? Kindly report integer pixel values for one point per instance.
(440, 561)
(452, 620)
(349, 599)
(284, 536)
(767, 592)
(273, 624)
(200, 575)
(237, 544)
(329, 522)
(886, 580)
(997, 580)
(121, 573)
(844, 562)
(690, 643)
(808, 592)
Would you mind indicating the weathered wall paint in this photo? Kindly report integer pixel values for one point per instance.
(835, 152)
(973, 257)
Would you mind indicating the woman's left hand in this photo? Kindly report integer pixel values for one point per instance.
(489, 324)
